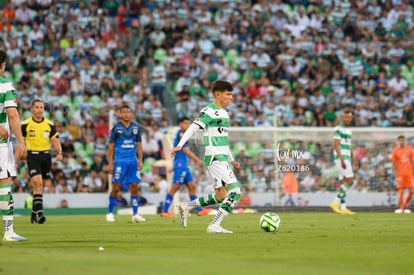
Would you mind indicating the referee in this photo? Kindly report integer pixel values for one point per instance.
(38, 132)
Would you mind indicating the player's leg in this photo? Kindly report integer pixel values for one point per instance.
(210, 199)
(192, 194)
(133, 176)
(226, 207)
(116, 187)
(177, 182)
(118, 177)
(189, 182)
(168, 200)
(346, 177)
(401, 190)
(408, 184)
(6, 198)
(343, 190)
(224, 172)
(37, 165)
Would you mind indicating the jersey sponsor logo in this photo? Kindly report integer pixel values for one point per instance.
(222, 130)
(32, 133)
(127, 146)
(46, 134)
(119, 131)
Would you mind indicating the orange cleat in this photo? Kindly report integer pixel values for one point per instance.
(168, 215)
(204, 211)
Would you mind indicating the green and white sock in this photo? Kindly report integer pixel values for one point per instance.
(7, 206)
(204, 201)
(341, 197)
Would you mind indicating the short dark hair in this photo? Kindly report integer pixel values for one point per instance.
(221, 85)
(401, 137)
(125, 106)
(3, 56)
(36, 100)
(182, 119)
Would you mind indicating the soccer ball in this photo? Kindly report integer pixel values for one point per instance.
(270, 222)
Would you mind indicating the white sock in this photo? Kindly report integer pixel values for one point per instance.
(219, 217)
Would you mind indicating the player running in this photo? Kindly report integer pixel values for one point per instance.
(215, 121)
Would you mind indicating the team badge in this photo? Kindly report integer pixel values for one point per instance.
(135, 131)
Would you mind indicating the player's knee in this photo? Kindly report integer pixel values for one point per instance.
(221, 193)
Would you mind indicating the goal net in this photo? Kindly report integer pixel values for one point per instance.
(295, 167)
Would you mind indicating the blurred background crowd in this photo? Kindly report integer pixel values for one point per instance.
(292, 63)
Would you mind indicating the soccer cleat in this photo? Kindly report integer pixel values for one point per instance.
(183, 212)
(398, 211)
(110, 217)
(13, 237)
(213, 228)
(346, 211)
(204, 212)
(138, 218)
(407, 211)
(167, 215)
(335, 207)
(38, 218)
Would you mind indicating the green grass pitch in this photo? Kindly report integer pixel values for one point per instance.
(307, 243)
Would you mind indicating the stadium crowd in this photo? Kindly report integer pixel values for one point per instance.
(292, 63)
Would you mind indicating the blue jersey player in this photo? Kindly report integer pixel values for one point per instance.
(182, 174)
(125, 162)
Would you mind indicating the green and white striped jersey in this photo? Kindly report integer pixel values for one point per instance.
(215, 122)
(7, 99)
(344, 134)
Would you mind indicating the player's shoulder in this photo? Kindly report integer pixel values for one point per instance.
(47, 121)
(6, 85)
(135, 125)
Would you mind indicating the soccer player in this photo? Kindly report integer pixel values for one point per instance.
(402, 164)
(182, 173)
(38, 133)
(215, 121)
(125, 162)
(9, 120)
(343, 155)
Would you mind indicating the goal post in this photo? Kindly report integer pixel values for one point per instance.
(311, 149)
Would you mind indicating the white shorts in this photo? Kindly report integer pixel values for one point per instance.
(344, 173)
(12, 168)
(221, 173)
(4, 162)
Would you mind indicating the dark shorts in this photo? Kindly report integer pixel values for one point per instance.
(39, 163)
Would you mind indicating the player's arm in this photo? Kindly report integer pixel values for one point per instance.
(56, 142)
(14, 121)
(110, 157)
(192, 156)
(4, 134)
(337, 148)
(139, 154)
(393, 160)
(186, 136)
(234, 162)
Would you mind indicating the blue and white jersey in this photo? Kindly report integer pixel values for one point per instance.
(180, 159)
(125, 140)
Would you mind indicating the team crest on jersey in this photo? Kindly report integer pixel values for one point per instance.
(135, 131)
